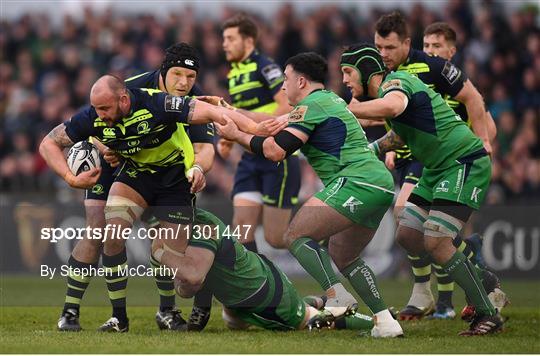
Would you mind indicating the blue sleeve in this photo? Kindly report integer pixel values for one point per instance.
(272, 75)
(448, 78)
(81, 126)
(172, 108)
(203, 133)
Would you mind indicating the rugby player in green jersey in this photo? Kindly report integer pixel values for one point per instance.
(252, 290)
(358, 189)
(393, 41)
(440, 40)
(457, 168)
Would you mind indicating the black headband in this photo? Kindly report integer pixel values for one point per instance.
(180, 55)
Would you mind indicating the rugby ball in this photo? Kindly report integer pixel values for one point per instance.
(83, 156)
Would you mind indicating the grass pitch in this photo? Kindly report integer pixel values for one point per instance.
(30, 307)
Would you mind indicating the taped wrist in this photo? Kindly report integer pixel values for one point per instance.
(288, 142)
(256, 145)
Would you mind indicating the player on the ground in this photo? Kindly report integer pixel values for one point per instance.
(393, 41)
(252, 290)
(263, 190)
(358, 189)
(440, 40)
(456, 175)
(176, 76)
(144, 126)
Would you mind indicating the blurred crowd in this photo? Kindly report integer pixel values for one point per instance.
(46, 73)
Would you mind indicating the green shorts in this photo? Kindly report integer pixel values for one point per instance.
(363, 203)
(466, 182)
(286, 310)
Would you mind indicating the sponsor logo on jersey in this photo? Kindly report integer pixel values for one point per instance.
(174, 103)
(391, 84)
(133, 143)
(98, 189)
(442, 187)
(132, 172)
(450, 73)
(298, 113)
(272, 73)
(143, 128)
(109, 132)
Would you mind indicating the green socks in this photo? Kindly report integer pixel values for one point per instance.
(465, 275)
(315, 260)
(364, 283)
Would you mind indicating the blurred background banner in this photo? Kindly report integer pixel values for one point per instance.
(52, 52)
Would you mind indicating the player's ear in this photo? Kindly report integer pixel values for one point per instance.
(407, 41)
(302, 82)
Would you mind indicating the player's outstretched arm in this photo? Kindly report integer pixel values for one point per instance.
(257, 117)
(275, 148)
(388, 142)
(389, 106)
(265, 125)
(474, 103)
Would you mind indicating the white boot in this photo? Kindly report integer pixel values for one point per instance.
(385, 325)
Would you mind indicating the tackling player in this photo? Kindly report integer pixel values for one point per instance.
(262, 188)
(357, 192)
(456, 175)
(252, 290)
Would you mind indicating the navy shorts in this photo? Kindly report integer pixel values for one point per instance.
(100, 191)
(167, 192)
(409, 171)
(278, 182)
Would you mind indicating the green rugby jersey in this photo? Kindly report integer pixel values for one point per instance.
(432, 130)
(441, 76)
(152, 136)
(337, 145)
(238, 278)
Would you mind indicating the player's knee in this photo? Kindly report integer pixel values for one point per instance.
(87, 250)
(439, 226)
(341, 260)
(413, 217)
(289, 237)
(276, 240)
(122, 209)
(232, 321)
(113, 246)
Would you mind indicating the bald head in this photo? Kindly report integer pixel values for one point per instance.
(109, 97)
(107, 86)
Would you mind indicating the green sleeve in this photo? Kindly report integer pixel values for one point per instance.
(396, 81)
(303, 118)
